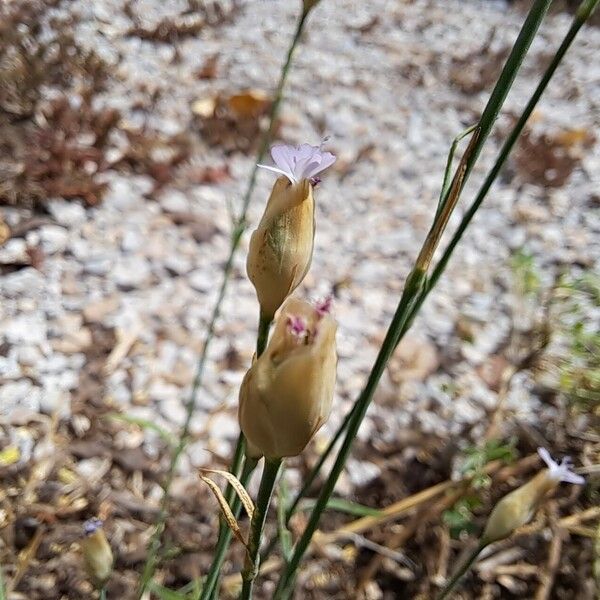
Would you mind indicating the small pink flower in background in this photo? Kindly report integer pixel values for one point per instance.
(299, 162)
(560, 471)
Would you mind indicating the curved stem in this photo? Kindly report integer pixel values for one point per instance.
(265, 492)
(461, 571)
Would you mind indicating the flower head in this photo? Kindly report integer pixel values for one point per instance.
(97, 554)
(560, 471)
(92, 525)
(299, 162)
(281, 247)
(518, 507)
(287, 393)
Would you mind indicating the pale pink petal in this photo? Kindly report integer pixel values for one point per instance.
(562, 471)
(283, 157)
(279, 171)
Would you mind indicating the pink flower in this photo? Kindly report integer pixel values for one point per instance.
(560, 471)
(299, 162)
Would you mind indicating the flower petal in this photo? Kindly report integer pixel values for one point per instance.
(283, 157)
(280, 171)
(545, 456)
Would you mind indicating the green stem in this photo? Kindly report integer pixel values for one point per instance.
(318, 466)
(103, 593)
(265, 492)
(210, 586)
(461, 571)
(414, 288)
(2, 587)
(238, 230)
(212, 579)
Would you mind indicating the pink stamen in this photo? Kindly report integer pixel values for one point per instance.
(324, 306)
(297, 326)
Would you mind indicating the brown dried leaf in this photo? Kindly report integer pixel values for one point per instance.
(549, 159)
(229, 516)
(238, 487)
(233, 122)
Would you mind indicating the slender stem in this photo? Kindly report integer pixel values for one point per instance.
(461, 571)
(318, 466)
(2, 588)
(103, 593)
(210, 586)
(414, 288)
(265, 492)
(238, 230)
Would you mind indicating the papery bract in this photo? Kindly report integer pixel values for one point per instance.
(281, 247)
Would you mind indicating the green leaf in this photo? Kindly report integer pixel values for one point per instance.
(285, 537)
(165, 593)
(165, 435)
(459, 518)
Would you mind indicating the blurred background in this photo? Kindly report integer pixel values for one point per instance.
(127, 133)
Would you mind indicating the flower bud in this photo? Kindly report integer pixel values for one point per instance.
(281, 247)
(517, 507)
(286, 395)
(97, 554)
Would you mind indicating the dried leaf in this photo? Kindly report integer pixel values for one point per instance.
(225, 509)
(238, 487)
(549, 159)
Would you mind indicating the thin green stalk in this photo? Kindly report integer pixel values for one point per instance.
(238, 230)
(2, 588)
(415, 286)
(265, 493)
(461, 571)
(210, 585)
(103, 593)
